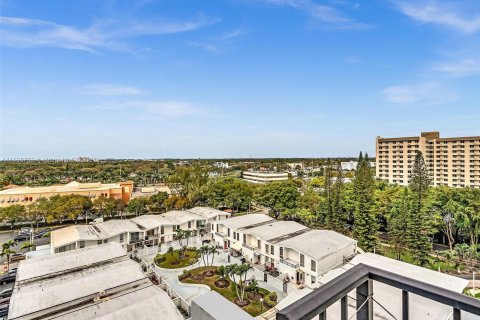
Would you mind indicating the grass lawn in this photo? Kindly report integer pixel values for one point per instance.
(254, 308)
(173, 261)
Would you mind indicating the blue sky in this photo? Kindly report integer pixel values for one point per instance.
(233, 78)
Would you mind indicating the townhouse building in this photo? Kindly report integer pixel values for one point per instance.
(138, 231)
(300, 254)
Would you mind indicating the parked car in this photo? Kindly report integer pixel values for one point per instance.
(21, 237)
(4, 309)
(8, 278)
(17, 257)
(41, 233)
(12, 271)
(4, 300)
(6, 293)
(26, 230)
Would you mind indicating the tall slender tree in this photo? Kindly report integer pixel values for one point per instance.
(419, 225)
(397, 223)
(327, 189)
(338, 219)
(365, 223)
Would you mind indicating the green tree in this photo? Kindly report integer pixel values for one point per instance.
(397, 222)
(13, 214)
(419, 223)
(138, 206)
(157, 202)
(338, 220)
(365, 223)
(278, 196)
(7, 251)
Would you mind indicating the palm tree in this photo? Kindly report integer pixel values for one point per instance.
(187, 234)
(7, 251)
(203, 252)
(212, 250)
(170, 250)
(242, 271)
(27, 245)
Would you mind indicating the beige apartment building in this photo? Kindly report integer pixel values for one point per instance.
(453, 162)
(26, 195)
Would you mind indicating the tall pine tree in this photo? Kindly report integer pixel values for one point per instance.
(419, 225)
(327, 188)
(339, 218)
(366, 226)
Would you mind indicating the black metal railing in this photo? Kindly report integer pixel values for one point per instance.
(361, 277)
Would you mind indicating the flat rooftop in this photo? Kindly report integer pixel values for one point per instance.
(207, 213)
(69, 187)
(53, 264)
(217, 307)
(146, 303)
(245, 220)
(318, 243)
(98, 282)
(180, 216)
(275, 229)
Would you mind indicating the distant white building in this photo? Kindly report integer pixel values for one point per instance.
(220, 164)
(264, 176)
(352, 165)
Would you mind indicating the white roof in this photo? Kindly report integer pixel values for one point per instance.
(207, 213)
(146, 303)
(391, 297)
(318, 243)
(245, 220)
(412, 271)
(98, 231)
(180, 217)
(275, 229)
(150, 221)
(217, 307)
(57, 263)
(68, 287)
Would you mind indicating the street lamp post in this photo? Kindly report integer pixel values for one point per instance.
(261, 305)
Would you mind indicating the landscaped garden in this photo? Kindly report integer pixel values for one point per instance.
(175, 259)
(245, 294)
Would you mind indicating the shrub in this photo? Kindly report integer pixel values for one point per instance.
(271, 300)
(191, 249)
(192, 261)
(159, 259)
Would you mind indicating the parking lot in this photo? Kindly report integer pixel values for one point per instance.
(10, 235)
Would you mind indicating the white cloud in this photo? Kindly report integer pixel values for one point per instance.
(462, 68)
(110, 34)
(426, 94)
(105, 89)
(166, 108)
(322, 13)
(444, 13)
(219, 43)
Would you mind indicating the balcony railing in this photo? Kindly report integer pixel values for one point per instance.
(249, 247)
(361, 278)
(290, 264)
(219, 234)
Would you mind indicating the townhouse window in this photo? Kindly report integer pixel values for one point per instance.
(258, 244)
(213, 228)
(177, 227)
(234, 235)
(238, 236)
(313, 265)
(228, 232)
(217, 227)
(121, 237)
(162, 230)
(105, 241)
(81, 244)
(314, 279)
(266, 248)
(281, 252)
(189, 224)
(272, 250)
(302, 260)
(99, 242)
(245, 238)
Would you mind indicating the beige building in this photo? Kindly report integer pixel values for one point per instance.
(453, 162)
(27, 195)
